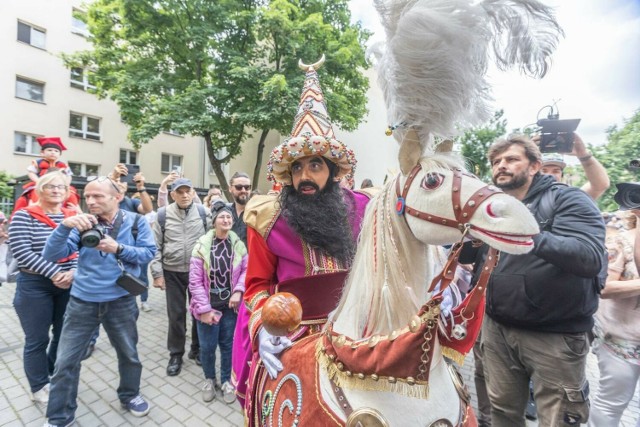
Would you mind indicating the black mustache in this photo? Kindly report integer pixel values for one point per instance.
(308, 184)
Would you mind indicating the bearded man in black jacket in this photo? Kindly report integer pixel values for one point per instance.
(540, 305)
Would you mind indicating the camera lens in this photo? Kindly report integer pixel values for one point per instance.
(91, 238)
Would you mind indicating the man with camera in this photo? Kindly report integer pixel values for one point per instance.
(123, 241)
(176, 231)
(597, 179)
(540, 305)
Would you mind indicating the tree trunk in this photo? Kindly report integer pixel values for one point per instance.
(217, 167)
(256, 169)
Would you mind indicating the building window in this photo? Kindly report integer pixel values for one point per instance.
(80, 79)
(128, 157)
(84, 169)
(79, 23)
(25, 143)
(172, 132)
(31, 35)
(170, 162)
(82, 126)
(29, 89)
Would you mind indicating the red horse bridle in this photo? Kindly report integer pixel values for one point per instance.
(462, 213)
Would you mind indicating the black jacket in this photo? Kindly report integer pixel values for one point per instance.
(555, 287)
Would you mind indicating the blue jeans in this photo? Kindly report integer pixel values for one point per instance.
(210, 337)
(144, 276)
(143, 297)
(118, 318)
(40, 305)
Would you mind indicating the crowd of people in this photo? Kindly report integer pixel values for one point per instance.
(217, 263)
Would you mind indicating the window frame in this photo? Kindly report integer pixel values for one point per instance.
(84, 132)
(79, 30)
(27, 80)
(84, 84)
(32, 28)
(33, 144)
(171, 162)
(83, 168)
(128, 156)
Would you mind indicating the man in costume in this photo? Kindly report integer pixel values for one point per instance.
(303, 240)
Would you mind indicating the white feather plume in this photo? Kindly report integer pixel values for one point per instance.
(433, 64)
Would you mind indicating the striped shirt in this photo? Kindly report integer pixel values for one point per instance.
(27, 238)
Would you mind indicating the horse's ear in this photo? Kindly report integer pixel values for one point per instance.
(445, 146)
(410, 151)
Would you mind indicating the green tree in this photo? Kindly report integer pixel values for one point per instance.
(222, 69)
(475, 143)
(622, 146)
(6, 191)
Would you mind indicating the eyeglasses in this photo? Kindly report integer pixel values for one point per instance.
(54, 187)
(239, 187)
(102, 179)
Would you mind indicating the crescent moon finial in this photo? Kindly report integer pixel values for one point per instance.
(304, 67)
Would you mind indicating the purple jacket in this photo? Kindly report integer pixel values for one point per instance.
(199, 279)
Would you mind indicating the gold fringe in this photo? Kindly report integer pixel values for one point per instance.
(454, 355)
(419, 390)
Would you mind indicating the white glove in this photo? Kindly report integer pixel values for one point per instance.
(269, 347)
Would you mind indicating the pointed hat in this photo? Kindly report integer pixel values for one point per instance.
(312, 134)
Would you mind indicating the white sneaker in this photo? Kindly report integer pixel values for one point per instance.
(228, 392)
(145, 306)
(42, 395)
(208, 391)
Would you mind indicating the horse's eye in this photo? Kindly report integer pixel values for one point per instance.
(432, 180)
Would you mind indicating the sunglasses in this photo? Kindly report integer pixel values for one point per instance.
(239, 187)
(102, 179)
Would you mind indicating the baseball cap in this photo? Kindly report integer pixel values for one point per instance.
(549, 159)
(181, 182)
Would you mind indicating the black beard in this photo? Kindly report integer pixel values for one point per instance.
(516, 182)
(321, 219)
(240, 201)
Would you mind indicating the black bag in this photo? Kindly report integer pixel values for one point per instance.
(127, 281)
(130, 283)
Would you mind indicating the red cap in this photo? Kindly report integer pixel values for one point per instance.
(51, 142)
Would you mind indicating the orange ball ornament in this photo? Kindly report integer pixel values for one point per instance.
(281, 314)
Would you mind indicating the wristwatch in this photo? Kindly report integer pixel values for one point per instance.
(120, 249)
(141, 190)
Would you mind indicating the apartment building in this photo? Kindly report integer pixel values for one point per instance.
(40, 96)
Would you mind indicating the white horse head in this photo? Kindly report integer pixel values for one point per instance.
(398, 254)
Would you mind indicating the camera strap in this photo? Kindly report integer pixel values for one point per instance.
(116, 225)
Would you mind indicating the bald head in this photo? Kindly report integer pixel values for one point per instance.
(102, 197)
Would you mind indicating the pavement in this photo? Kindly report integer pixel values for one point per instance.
(175, 401)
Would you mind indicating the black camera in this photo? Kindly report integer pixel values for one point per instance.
(628, 196)
(557, 135)
(91, 238)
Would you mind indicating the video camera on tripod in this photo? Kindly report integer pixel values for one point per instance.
(556, 135)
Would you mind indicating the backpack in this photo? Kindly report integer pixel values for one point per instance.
(162, 217)
(544, 208)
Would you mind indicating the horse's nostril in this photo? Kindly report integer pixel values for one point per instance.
(493, 209)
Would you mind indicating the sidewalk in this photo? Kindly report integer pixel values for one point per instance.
(175, 401)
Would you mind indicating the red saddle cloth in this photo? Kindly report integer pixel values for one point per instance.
(298, 384)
